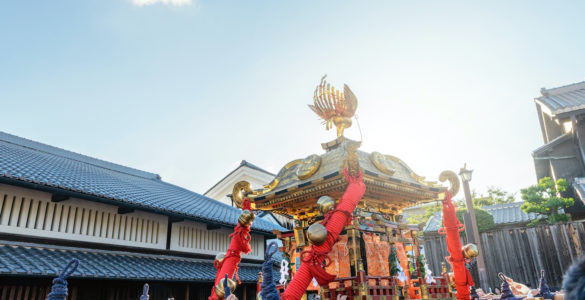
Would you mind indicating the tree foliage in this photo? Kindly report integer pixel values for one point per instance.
(485, 220)
(495, 195)
(430, 210)
(546, 198)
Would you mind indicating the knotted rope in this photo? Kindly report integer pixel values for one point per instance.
(145, 292)
(543, 289)
(506, 291)
(269, 291)
(59, 288)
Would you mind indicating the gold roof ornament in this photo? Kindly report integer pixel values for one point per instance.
(333, 106)
(391, 184)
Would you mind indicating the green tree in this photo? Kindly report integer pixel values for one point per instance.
(485, 220)
(430, 210)
(499, 196)
(495, 195)
(545, 198)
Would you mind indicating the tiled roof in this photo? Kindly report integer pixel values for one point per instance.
(563, 100)
(434, 222)
(47, 261)
(547, 148)
(26, 161)
(506, 213)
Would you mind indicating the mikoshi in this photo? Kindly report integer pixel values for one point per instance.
(373, 254)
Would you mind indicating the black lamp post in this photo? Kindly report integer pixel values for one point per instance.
(473, 233)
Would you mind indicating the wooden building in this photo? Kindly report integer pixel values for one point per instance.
(127, 227)
(561, 112)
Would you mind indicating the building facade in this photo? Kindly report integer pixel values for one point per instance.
(257, 177)
(126, 227)
(561, 113)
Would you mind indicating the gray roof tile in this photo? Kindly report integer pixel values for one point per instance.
(506, 213)
(563, 99)
(44, 260)
(28, 161)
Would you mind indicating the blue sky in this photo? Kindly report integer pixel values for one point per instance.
(187, 91)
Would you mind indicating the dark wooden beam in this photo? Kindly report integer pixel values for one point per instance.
(58, 198)
(175, 220)
(213, 226)
(125, 210)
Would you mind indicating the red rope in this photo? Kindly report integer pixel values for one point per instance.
(334, 222)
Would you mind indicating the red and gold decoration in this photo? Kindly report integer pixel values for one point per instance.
(349, 239)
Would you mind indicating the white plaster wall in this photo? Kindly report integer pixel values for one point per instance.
(29, 212)
(193, 237)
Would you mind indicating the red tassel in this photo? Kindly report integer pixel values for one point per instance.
(452, 225)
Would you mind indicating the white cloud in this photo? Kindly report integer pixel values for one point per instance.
(167, 2)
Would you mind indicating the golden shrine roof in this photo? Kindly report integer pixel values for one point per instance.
(390, 183)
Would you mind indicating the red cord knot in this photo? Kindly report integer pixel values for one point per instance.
(315, 257)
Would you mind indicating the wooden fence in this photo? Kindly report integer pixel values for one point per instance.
(520, 252)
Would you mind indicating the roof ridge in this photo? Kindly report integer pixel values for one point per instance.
(243, 163)
(562, 89)
(253, 166)
(45, 148)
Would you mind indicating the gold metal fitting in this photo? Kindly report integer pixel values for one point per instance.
(220, 292)
(470, 251)
(325, 204)
(317, 234)
(218, 259)
(452, 279)
(246, 218)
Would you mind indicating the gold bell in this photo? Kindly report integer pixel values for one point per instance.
(470, 251)
(218, 259)
(220, 292)
(325, 204)
(317, 234)
(246, 218)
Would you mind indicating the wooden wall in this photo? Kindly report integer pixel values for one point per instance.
(520, 253)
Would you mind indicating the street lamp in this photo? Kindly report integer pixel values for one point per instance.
(465, 174)
(473, 234)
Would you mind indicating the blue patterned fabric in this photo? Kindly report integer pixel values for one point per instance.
(41, 260)
(269, 291)
(28, 162)
(144, 295)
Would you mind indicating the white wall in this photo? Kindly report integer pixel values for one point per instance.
(193, 237)
(30, 212)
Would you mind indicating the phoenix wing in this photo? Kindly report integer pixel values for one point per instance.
(329, 102)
